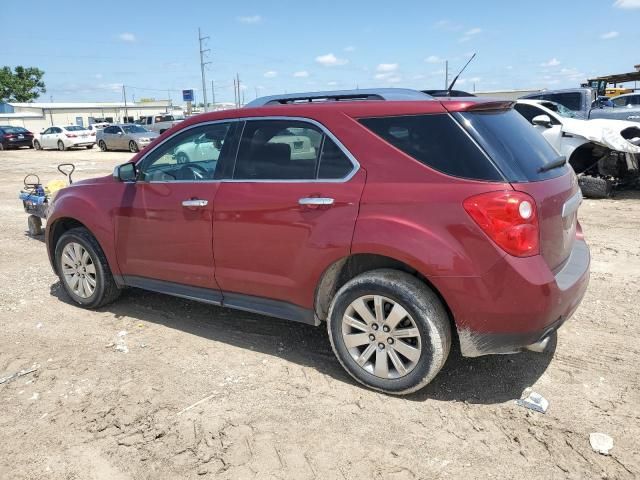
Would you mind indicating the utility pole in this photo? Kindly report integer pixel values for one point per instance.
(169, 105)
(213, 96)
(235, 93)
(238, 87)
(202, 64)
(124, 95)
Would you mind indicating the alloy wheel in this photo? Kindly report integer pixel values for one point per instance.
(78, 270)
(381, 336)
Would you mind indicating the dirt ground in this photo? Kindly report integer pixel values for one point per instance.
(205, 392)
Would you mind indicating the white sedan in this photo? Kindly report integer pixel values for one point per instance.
(602, 151)
(64, 138)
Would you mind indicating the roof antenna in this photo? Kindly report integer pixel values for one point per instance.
(459, 73)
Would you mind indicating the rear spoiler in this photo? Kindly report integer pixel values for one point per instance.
(476, 105)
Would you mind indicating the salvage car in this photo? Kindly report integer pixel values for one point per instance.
(126, 136)
(586, 104)
(604, 153)
(415, 218)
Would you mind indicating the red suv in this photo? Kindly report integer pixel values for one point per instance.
(404, 222)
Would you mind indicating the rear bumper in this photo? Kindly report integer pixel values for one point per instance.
(27, 142)
(518, 303)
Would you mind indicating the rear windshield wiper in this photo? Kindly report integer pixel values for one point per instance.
(560, 162)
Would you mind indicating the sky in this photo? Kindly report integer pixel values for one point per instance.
(88, 50)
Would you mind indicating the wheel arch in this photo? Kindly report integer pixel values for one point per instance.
(346, 268)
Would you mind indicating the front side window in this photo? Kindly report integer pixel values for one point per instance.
(134, 129)
(189, 156)
(528, 111)
(572, 100)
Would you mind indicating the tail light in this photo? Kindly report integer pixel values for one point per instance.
(70, 135)
(510, 219)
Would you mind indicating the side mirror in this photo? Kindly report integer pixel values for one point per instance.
(126, 172)
(542, 121)
(120, 133)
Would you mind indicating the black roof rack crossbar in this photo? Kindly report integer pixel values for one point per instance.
(388, 94)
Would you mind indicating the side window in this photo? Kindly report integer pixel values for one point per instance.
(278, 150)
(436, 141)
(528, 111)
(334, 164)
(620, 102)
(189, 156)
(47, 131)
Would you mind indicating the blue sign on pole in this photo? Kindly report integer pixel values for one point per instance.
(187, 95)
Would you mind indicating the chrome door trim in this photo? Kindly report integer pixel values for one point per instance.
(325, 130)
(315, 201)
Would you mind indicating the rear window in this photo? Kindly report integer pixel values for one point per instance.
(572, 100)
(513, 144)
(14, 130)
(437, 141)
(74, 128)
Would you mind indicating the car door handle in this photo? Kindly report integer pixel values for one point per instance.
(315, 201)
(195, 202)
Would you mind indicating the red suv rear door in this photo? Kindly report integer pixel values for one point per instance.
(288, 212)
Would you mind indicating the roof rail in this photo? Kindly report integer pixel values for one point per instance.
(388, 94)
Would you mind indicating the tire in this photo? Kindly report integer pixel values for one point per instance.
(89, 147)
(61, 146)
(1, 147)
(35, 226)
(595, 187)
(426, 317)
(162, 131)
(182, 157)
(37, 145)
(105, 289)
(102, 145)
(133, 147)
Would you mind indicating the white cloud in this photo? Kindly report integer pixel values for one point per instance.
(127, 37)
(98, 76)
(554, 62)
(251, 19)
(114, 87)
(387, 67)
(448, 25)
(609, 35)
(628, 4)
(301, 74)
(433, 59)
(350, 48)
(388, 77)
(270, 74)
(332, 84)
(473, 31)
(419, 76)
(330, 60)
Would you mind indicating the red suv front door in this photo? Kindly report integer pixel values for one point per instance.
(287, 214)
(163, 227)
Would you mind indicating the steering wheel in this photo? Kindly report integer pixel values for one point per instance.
(198, 172)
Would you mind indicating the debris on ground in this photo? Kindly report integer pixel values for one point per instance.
(533, 401)
(121, 345)
(601, 442)
(21, 373)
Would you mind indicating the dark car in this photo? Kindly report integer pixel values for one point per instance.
(15, 137)
(400, 221)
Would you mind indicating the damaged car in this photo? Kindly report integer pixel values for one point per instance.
(604, 153)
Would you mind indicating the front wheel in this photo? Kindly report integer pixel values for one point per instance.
(61, 146)
(83, 269)
(390, 331)
(37, 145)
(133, 147)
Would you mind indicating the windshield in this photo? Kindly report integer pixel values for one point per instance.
(134, 129)
(74, 128)
(561, 110)
(518, 150)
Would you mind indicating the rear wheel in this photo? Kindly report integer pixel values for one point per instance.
(102, 145)
(61, 146)
(595, 187)
(389, 331)
(133, 147)
(37, 145)
(89, 147)
(83, 269)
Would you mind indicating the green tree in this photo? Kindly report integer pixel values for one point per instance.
(21, 85)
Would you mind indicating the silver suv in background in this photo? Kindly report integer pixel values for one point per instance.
(126, 136)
